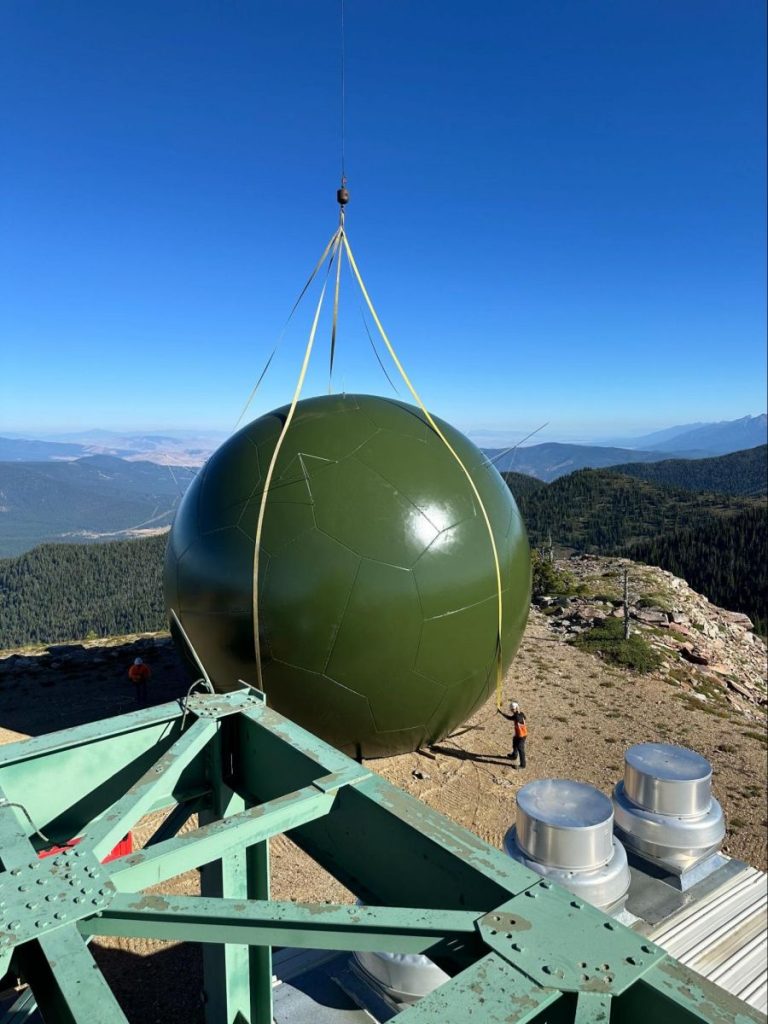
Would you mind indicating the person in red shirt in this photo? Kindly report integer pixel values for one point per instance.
(139, 674)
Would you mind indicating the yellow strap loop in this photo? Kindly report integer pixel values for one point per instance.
(335, 312)
(335, 241)
(444, 439)
(302, 293)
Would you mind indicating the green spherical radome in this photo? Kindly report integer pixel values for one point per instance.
(377, 591)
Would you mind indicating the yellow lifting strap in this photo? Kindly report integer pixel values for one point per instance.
(296, 304)
(333, 245)
(454, 453)
(338, 241)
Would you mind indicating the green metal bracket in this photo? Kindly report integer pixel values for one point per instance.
(218, 705)
(491, 992)
(44, 895)
(607, 959)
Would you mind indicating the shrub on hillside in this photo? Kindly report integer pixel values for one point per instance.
(607, 640)
(547, 579)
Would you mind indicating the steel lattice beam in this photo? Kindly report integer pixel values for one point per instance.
(163, 860)
(266, 922)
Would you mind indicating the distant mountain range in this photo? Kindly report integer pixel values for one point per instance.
(549, 461)
(705, 438)
(177, 448)
(545, 461)
(691, 441)
(51, 491)
(100, 497)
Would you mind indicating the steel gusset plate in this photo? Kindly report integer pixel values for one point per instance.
(562, 942)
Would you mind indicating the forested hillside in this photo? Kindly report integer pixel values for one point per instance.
(522, 485)
(742, 473)
(601, 511)
(715, 542)
(724, 558)
(552, 460)
(66, 591)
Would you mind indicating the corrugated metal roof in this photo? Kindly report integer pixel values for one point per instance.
(724, 937)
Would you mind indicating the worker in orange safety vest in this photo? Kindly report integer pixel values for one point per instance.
(520, 733)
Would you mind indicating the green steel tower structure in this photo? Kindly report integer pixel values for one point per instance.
(518, 948)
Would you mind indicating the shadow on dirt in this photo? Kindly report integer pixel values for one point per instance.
(71, 684)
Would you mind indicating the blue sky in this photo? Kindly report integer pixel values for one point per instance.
(559, 208)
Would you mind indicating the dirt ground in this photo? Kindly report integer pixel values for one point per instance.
(582, 714)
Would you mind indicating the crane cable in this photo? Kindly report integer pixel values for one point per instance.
(343, 95)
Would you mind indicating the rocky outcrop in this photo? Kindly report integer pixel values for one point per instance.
(708, 651)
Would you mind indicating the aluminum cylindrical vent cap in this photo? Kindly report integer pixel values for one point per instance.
(406, 976)
(565, 824)
(667, 779)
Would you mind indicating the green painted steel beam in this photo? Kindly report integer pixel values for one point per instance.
(161, 861)
(22, 1010)
(259, 957)
(156, 784)
(175, 821)
(25, 751)
(98, 766)
(672, 991)
(536, 932)
(592, 1008)
(258, 922)
(447, 865)
(548, 951)
(226, 969)
(488, 992)
(67, 984)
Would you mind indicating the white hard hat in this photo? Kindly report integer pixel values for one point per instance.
(514, 704)
(137, 661)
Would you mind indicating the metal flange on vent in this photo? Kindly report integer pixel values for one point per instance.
(664, 808)
(564, 831)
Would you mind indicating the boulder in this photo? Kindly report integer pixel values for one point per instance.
(650, 616)
(695, 655)
(678, 627)
(738, 619)
(745, 691)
